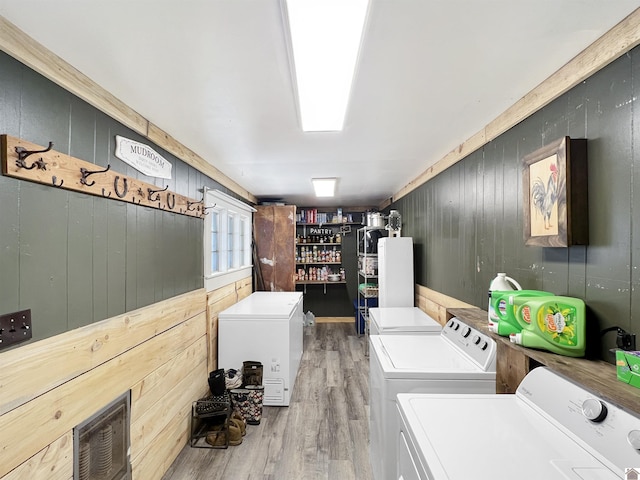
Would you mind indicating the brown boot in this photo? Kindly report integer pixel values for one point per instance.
(240, 421)
(218, 438)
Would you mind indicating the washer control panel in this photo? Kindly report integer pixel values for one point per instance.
(610, 433)
(480, 348)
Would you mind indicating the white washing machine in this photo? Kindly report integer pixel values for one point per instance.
(401, 320)
(551, 429)
(458, 360)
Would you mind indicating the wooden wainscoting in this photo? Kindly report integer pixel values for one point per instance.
(49, 387)
(217, 301)
(436, 304)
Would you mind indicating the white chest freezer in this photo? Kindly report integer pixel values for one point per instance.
(401, 321)
(265, 327)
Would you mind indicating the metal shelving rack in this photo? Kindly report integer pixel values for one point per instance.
(367, 275)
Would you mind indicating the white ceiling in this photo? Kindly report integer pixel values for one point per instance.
(215, 75)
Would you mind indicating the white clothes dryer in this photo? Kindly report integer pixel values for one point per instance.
(401, 320)
(551, 429)
(458, 360)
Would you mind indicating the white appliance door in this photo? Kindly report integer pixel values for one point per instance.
(485, 437)
(398, 320)
(424, 356)
(395, 272)
(264, 304)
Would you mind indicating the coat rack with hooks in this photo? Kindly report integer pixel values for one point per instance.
(28, 161)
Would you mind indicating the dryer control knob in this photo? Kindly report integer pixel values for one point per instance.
(484, 345)
(466, 332)
(456, 326)
(594, 410)
(476, 339)
(634, 439)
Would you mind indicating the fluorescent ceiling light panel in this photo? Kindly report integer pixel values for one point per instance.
(324, 187)
(325, 40)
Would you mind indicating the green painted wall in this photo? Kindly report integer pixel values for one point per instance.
(467, 222)
(72, 258)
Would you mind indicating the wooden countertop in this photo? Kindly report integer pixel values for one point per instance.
(596, 376)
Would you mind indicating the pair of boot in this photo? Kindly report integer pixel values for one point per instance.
(236, 429)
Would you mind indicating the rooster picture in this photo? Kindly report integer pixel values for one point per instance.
(544, 197)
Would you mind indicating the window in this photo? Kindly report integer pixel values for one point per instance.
(214, 248)
(227, 242)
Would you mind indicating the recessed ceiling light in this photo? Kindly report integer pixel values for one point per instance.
(324, 187)
(325, 39)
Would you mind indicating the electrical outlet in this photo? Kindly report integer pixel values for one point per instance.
(626, 341)
(15, 328)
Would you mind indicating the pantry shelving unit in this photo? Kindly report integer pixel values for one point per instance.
(319, 248)
(321, 228)
(306, 262)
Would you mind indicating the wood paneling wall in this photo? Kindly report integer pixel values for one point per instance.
(49, 387)
(162, 353)
(435, 304)
(75, 259)
(114, 289)
(467, 221)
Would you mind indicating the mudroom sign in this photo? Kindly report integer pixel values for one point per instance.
(142, 157)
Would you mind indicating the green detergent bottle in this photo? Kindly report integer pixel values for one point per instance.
(505, 309)
(556, 324)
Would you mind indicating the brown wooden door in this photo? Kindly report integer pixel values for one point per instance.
(274, 229)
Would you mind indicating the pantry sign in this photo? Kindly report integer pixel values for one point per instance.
(142, 157)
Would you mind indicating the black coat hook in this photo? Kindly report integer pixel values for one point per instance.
(86, 173)
(106, 196)
(40, 163)
(204, 209)
(115, 186)
(171, 200)
(54, 179)
(150, 193)
(190, 204)
(23, 153)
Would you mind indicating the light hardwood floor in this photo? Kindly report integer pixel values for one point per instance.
(323, 434)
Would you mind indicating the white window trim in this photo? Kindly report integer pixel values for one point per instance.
(225, 204)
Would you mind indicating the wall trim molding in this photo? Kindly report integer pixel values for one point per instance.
(26, 50)
(612, 45)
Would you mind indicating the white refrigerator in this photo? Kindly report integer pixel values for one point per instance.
(266, 327)
(395, 272)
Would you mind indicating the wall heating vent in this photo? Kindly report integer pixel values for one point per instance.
(273, 391)
(101, 443)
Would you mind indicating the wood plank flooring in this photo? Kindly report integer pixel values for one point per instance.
(323, 434)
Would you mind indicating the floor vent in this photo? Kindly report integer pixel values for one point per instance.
(101, 443)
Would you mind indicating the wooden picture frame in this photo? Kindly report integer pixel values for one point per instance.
(555, 194)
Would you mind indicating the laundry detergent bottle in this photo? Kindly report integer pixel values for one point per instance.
(500, 283)
(505, 310)
(556, 324)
